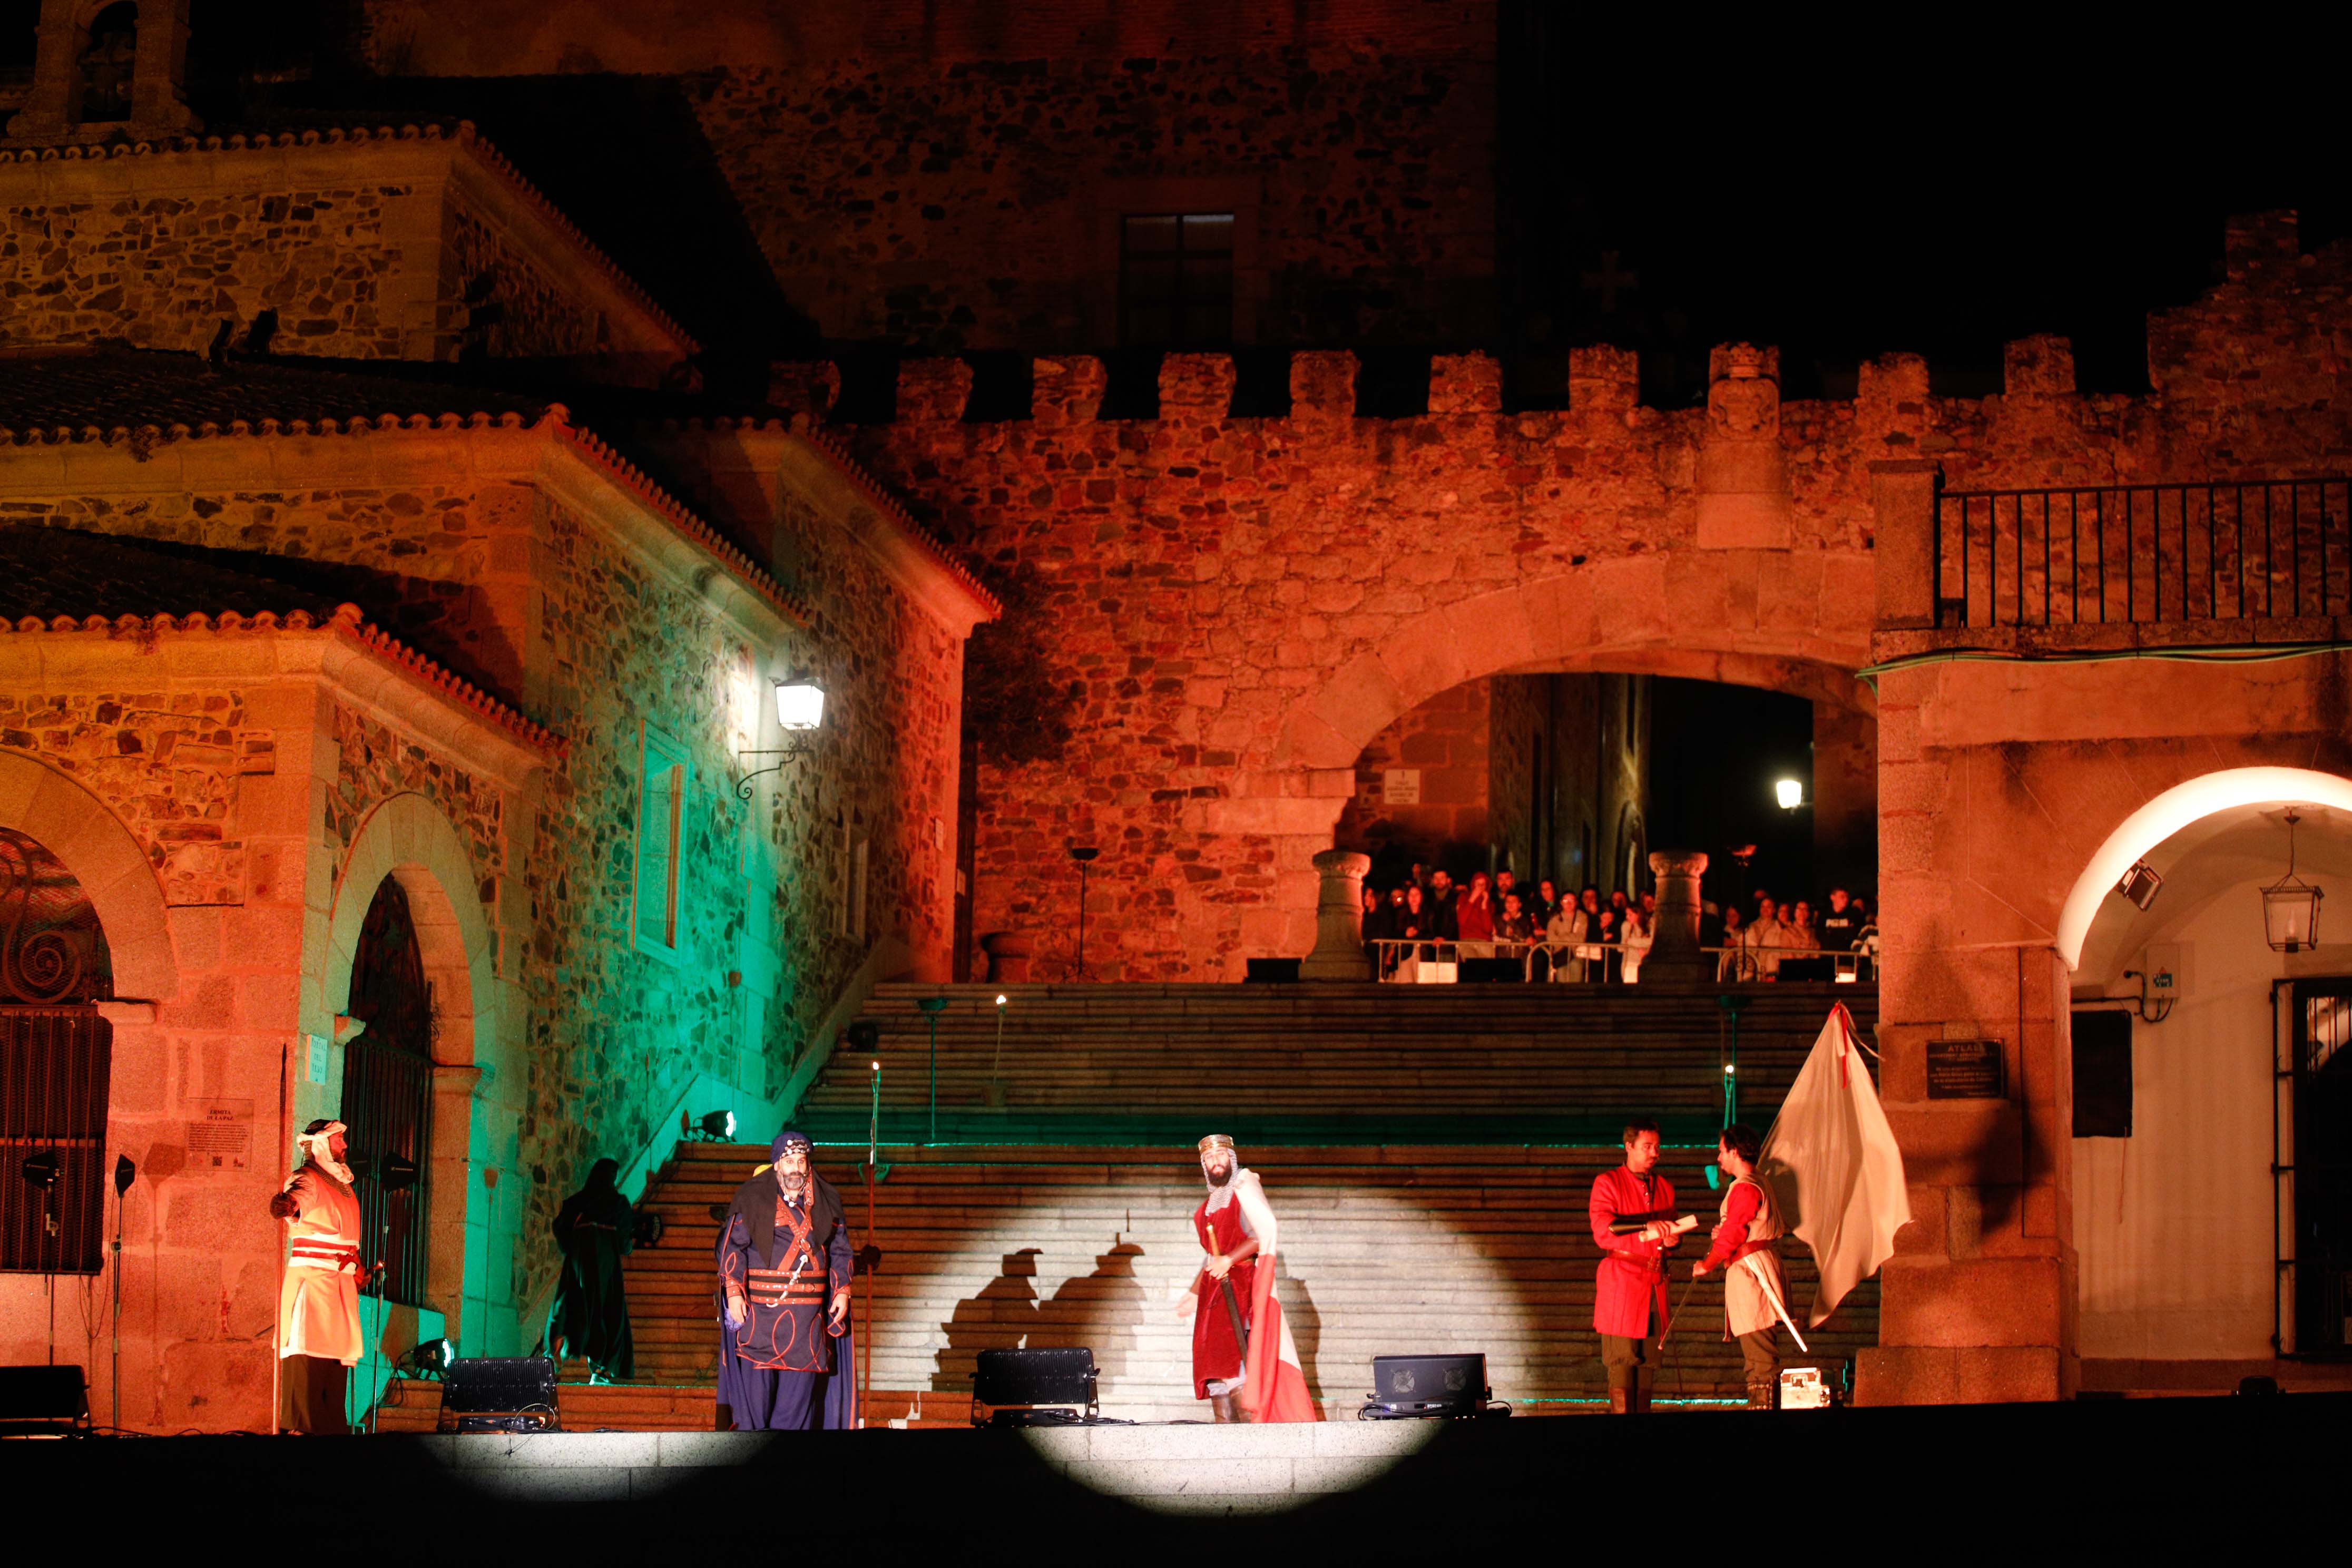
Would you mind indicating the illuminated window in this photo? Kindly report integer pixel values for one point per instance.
(1176, 280)
(661, 818)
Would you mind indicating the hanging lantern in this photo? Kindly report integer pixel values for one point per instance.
(2291, 905)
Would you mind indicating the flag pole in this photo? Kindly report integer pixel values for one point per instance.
(1773, 1296)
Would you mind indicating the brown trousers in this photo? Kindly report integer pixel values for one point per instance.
(310, 1395)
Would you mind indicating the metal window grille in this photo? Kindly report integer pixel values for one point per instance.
(387, 1100)
(2265, 550)
(55, 1058)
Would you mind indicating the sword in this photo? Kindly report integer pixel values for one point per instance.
(1773, 1296)
(1234, 1310)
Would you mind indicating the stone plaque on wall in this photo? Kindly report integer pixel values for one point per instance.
(1401, 786)
(1966, 1069)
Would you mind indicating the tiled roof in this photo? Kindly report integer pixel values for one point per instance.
(114, 394)
(63, 580)
(50, 571)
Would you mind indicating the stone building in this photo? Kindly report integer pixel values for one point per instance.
(259, 377)
(383, 735)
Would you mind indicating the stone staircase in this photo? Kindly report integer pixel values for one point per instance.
(1386, 1250)
(1319, 1064)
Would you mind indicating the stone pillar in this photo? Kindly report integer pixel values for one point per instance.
(1674, 956)
(1902, 539)
(1743, 478)
(1339, 919)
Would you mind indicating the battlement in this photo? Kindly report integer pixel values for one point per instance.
(2208, 350)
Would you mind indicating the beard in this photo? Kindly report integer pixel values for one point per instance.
(794, 1182)
(1218, 1176)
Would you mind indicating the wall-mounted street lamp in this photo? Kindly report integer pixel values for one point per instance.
(1789, 794)
(800, 711)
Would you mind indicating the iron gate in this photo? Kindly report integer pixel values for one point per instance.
(54, 1056)
(2317, 1167)
(387, 1100)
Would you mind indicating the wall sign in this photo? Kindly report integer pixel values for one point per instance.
(1401, 786)
(1966, 1069)
(220, 1137)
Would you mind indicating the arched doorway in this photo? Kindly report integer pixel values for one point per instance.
(55, 1060)
(2211, 1154)
(387, 1098)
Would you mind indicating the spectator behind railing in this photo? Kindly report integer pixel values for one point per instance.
(1514, 924)
(1759, 940)
(1473, 917)
(1440, 902)
(1562, 934)
(1840, 926)
(1637, 946)
(1593, 954)
(1733, 943)
(1546, 904)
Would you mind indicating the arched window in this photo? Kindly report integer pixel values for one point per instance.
(107, 64)
(55, 1056)
(388, 1094)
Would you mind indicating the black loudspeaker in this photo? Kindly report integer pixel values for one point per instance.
(1272, 972)
(500, 1394)
(1492, 971)
(43, 1402)
(1059, 1376)
(1406, 1386)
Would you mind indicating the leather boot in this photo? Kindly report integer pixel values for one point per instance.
(1619, 1401)
(1220, 1407)
(1638, 1396)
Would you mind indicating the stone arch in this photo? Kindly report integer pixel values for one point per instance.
(406, 838)
(83, 832)
(1609, 617)
(2166, 814)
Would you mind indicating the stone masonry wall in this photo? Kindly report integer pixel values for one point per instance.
(977, 202)
(517, 312)
(166, 763)
(1444, 741)
(1223, 594)
(165, 271)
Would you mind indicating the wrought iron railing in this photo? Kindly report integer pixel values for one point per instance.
(2261, 550)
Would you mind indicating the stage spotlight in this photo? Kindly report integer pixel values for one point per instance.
(429, 1359)
(41, 1170)
(649, 1228)
(125, 1173)
(2141, 884)
(712, 1127)
(397, 1172)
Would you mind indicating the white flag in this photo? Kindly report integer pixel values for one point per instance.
(1831, 1160)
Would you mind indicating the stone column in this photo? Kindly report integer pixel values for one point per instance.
(1674, 956)
(1339, 919)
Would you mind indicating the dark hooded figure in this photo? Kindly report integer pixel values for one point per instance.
(596, 1228)
(784, 1266)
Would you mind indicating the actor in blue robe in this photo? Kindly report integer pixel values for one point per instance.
(784, 1266)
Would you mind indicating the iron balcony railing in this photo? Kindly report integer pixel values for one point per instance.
(2139, 554)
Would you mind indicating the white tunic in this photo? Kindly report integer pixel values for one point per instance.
(318, 1306)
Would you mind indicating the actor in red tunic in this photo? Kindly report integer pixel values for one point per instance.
(1245, 1362)
(1629, 1299)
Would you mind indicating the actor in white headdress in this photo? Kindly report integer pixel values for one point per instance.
(318, 1305)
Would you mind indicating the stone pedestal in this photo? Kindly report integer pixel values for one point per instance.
(1009, 953)
(1674, 955)
(1339, 919)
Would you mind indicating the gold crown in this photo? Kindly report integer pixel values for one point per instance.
(1215, 1141)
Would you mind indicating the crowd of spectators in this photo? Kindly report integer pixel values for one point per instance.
(1587, 938)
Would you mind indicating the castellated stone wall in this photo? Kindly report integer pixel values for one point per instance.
(1237, 606)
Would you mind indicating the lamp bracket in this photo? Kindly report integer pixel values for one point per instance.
(789, 754)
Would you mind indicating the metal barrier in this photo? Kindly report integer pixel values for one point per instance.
(2261, 550)
(1412, 961)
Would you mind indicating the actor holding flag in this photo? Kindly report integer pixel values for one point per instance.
(1832, 1160)
(1244, 1361)
(1754, 1291)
